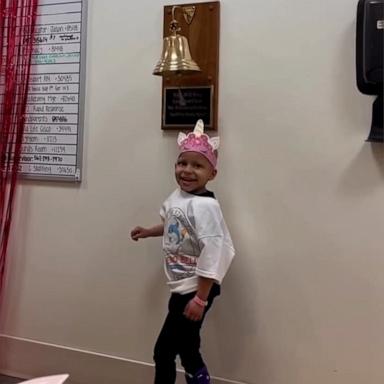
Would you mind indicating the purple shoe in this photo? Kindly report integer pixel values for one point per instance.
(200, 377)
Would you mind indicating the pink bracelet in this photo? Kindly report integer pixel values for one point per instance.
(200, 302)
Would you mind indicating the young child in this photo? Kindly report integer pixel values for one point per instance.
(198, 251)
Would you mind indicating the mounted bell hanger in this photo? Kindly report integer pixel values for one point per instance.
(189, 88)
(176, 57)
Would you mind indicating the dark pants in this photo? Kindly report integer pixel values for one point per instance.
(179, 336)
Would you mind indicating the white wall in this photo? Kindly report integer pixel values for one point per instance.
(301, 190)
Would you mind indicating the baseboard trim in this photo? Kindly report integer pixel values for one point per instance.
(27, 358)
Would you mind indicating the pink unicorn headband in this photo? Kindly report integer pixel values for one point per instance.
(198, 141)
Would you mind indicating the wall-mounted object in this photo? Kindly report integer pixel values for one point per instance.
(176, 56)
(189, 65)
(369, 59)
(52, 147)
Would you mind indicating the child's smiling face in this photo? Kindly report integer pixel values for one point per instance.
(193, 171)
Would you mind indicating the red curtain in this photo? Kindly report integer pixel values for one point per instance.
(17, 22)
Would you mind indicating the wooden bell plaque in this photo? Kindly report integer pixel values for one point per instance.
(187, 98)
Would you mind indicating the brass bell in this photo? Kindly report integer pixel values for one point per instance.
(176, 56)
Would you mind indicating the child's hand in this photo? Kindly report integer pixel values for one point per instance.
(193, 311)
(139, 233)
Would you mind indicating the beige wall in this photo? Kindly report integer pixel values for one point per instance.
(301, 190)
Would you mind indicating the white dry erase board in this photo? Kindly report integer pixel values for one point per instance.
(53, 135)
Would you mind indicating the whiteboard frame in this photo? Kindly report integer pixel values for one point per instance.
(81, 115)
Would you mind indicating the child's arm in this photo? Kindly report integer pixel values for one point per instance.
(194, 310)
(141, 233)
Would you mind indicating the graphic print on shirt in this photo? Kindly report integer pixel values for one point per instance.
(180, 245)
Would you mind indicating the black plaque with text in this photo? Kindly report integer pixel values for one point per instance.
(185, 105)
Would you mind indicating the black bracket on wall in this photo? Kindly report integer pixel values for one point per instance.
(369, 60)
